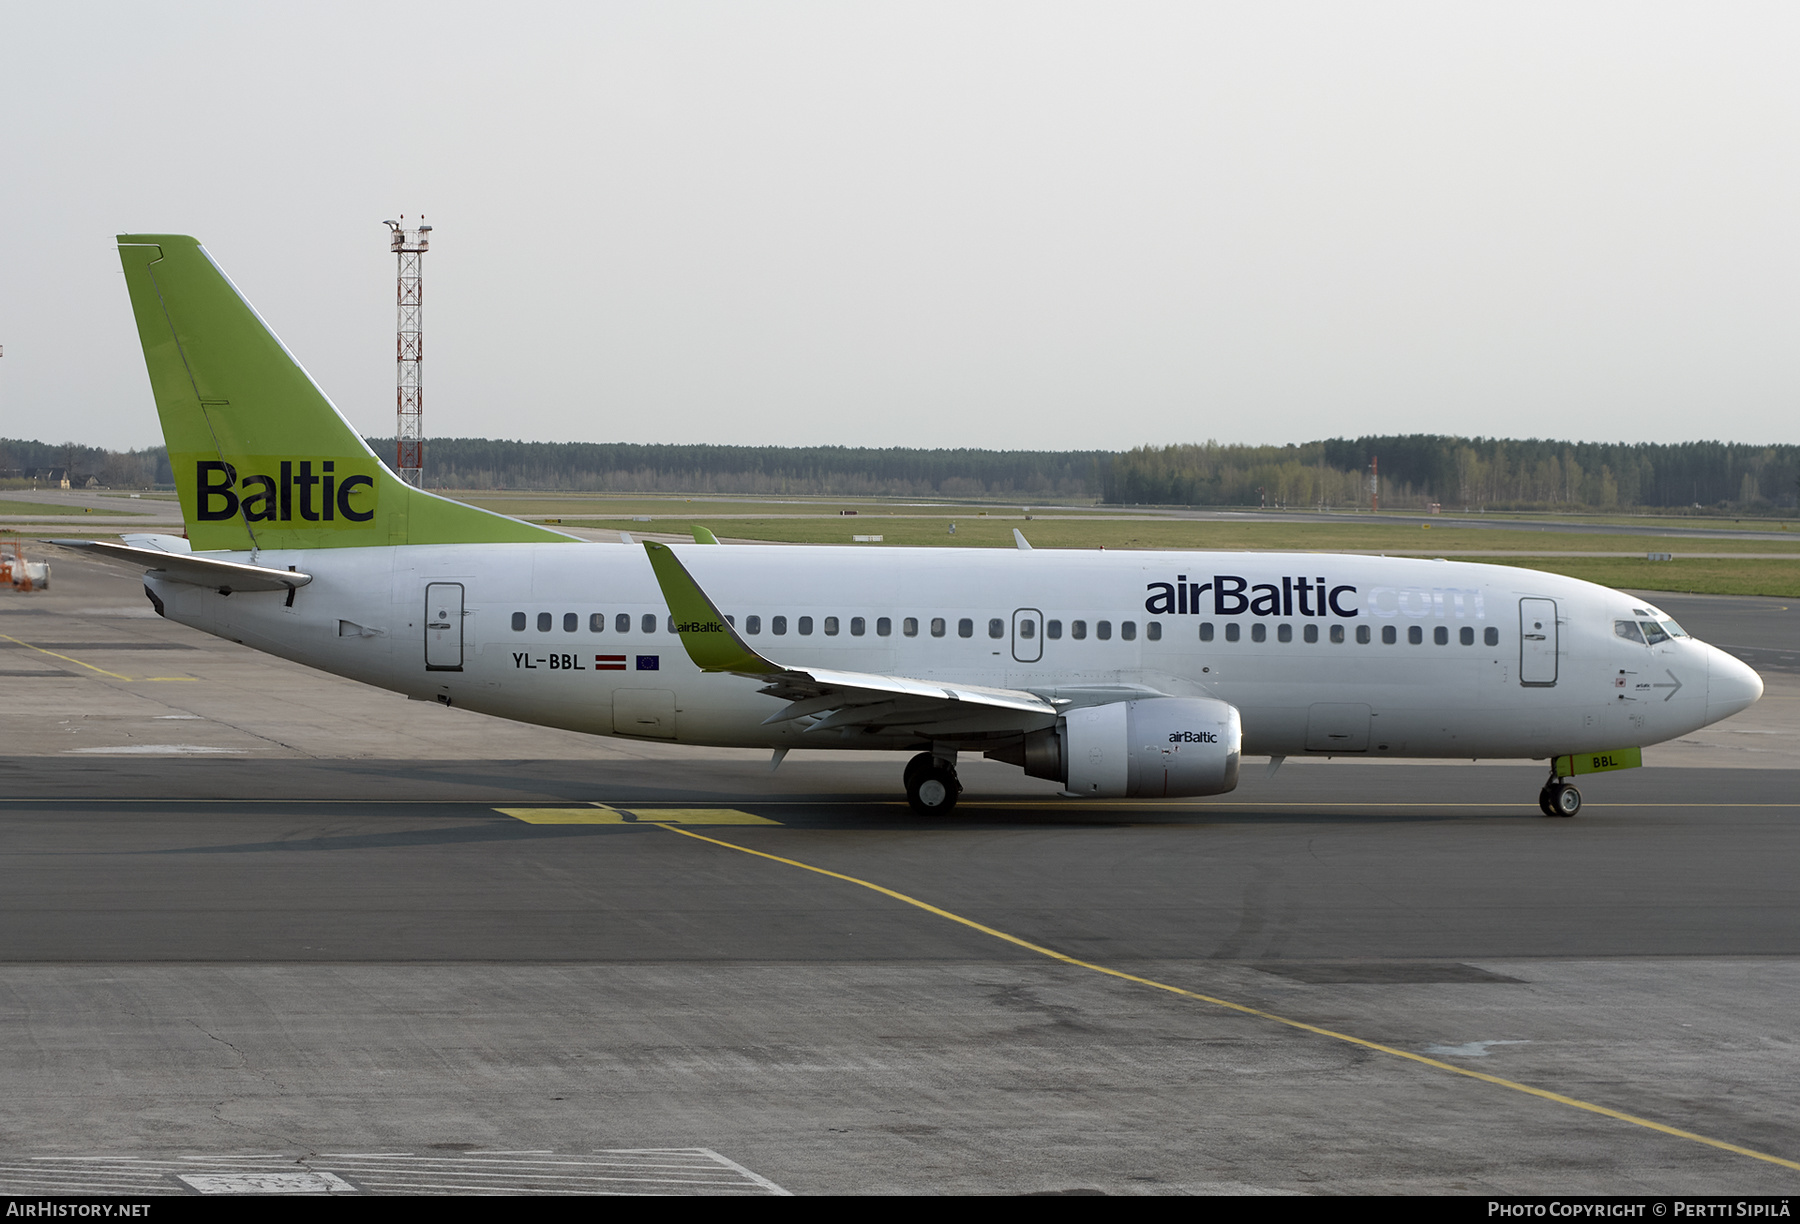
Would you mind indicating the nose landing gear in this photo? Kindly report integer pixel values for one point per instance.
(931, 785)
(1559, 798)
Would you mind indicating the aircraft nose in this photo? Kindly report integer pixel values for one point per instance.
(1731, 685)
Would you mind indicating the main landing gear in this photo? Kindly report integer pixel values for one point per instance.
(1558, 798)
(931, 785)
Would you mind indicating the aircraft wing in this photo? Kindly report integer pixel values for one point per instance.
(829, 697)
(193, 569)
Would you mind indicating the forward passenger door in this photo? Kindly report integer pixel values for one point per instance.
(1537, 642)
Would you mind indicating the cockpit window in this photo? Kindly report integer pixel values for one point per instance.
(1628, 630)
(1661, 618)
(1653, 632)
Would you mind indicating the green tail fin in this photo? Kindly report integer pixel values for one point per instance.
(261, 457)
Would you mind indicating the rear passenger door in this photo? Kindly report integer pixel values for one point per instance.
(444, 626)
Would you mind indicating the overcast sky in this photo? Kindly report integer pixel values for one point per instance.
(963, 224)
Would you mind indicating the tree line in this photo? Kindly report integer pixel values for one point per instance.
(619, 467)
(1417, 470)
(1414, 471)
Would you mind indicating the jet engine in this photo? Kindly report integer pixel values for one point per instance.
(1159, 747)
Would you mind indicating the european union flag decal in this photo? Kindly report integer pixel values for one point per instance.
(646, 662)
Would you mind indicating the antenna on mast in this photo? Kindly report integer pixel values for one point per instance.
(409, 245)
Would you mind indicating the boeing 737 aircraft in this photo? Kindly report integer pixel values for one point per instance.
(1143, 674)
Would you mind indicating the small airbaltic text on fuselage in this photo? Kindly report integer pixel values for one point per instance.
(269, 498)
(1233, 595)
(699, 627)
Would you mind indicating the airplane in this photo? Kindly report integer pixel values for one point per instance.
(1118, 674)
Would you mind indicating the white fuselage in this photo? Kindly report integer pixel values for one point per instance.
(1479, 681)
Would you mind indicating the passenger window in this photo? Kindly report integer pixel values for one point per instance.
(1310, 633)
(1259, 632)
(1284, 633)
(753, 624)
(805, 626)
(1153, 631)
(965, 628)
(1078, 630)
(648, 624)
(1415, 634)
(910, 626)
(571, 622)
(1337, 634)
(1103, 630)
(597, 623)
(1128, 630)
(1362, 634)
(884, 626)
(1389, 635)
(622, 623)
(937, 626)
(857, 625)
(1231, 631)
(672, 623)
(1053, 630)
(1466, 635)
(831, 626)
(1027, 629)
(543, 622)
(729, 620)
(996, 628)
(1441, 635)
(518, 622)
(778, 625)
(1491, 636)
(1206, 631)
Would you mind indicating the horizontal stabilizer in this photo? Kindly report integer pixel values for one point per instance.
(193, 569)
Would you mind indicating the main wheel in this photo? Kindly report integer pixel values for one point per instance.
(1565, 800)
(1544, 801)
(932, 791)
(915, 769)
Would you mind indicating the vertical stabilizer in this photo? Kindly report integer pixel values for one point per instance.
(262, 459)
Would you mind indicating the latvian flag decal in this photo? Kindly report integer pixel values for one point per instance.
(609, 662)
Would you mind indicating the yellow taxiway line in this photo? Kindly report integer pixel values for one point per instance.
(78, 663)
(1065, 958)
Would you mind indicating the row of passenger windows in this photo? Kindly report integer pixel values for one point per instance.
(1390, 634)
(859, 626)
(996, 628)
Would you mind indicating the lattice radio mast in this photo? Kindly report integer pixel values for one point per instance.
(409, 246)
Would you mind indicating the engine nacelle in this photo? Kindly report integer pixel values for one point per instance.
(1157, 748)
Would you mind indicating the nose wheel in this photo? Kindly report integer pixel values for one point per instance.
(1559, 799)
(931, 785)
